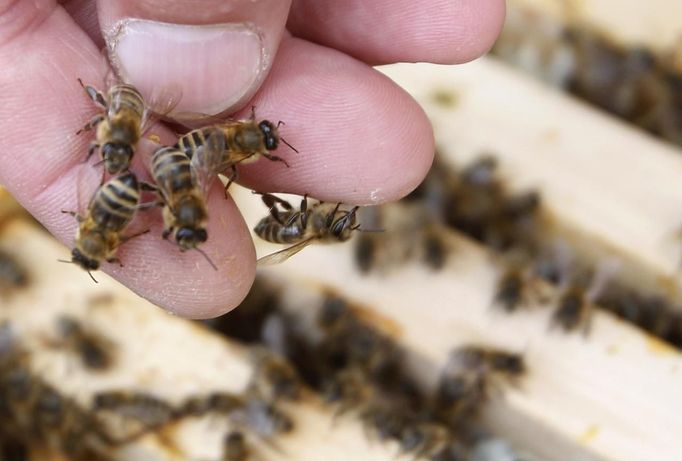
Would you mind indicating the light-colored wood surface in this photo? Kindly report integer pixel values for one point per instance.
(612, 189)
(158, 353)
(583, 398)
(658, 24)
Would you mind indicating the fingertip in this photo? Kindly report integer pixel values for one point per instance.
(362, 139)
(481, 23)
(184, 283)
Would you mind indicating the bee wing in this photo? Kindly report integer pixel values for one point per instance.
(283, 255)
(160, 104)
(206, 162)
(87, 183)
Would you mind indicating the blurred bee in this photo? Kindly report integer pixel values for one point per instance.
(517, 286)
(235, 447)
(425, 440)
(577, 297)
(183, 194)
(12, 274)
(94, 350)
(323, 222)
(384, 419)
(111, 209)
(263, 418)
(468, 376)
(510, 289)
(348, 389)
(217, 402)
(35, 412)
(123, 122)
(227, 144)
(274, 378)
(140, 412)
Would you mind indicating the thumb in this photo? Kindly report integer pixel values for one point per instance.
(218, 51)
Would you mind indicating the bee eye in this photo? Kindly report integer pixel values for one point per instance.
(271, 139)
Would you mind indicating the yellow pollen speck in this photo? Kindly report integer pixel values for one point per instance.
(589, 435)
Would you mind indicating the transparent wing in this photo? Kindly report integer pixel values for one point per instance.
(160, 103)
(207, 160)
(88, 181)
(283, 255)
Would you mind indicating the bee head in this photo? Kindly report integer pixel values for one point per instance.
(189, 237)
(117, 156)
(510, 363)
(269, 134)
(87, 263)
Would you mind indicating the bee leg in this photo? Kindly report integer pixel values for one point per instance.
(124, 239)
(275, 158)
(271, 202)
(231, 179)
(94, 121)
(93, 94)
(166, 233)
(304, 212)
(78, 217)
(91, 150)
(330, 216)
(115, 260)
(148, 187)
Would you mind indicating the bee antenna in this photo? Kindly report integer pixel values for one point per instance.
(359, 229)
(215, 268)
(290, 146)
(280, 123)
(92, 277)
(65, 261)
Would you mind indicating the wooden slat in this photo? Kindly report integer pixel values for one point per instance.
(584, 398)
(656, 25)
(612, 189)
(157, 353)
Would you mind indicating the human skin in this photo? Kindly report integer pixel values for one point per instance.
(362, 139)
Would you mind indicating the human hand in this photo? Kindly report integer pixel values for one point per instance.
(362, 140)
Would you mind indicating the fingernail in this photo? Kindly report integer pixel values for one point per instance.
(217, 66)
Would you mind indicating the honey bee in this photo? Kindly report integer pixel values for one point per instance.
(348, 389)
(577, 298)
(124, 119)
(216, 402)
(36, 412)
(468, 376)
(225, 145)
(385, 419)
(141, 412)
(12, 274)
(323, 222)
(510, 289)
(183, 194)
(93, 349)
(425, 440)
(263, 418)
(99, 234)
(235, 447)
(274, 378)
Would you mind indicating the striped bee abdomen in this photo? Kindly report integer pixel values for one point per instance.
(114, 204)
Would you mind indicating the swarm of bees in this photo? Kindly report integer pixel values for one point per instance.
(182, 175)
(36, 413)
(13, 275)
(632, 83)
(360, 371)
(476, 202)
